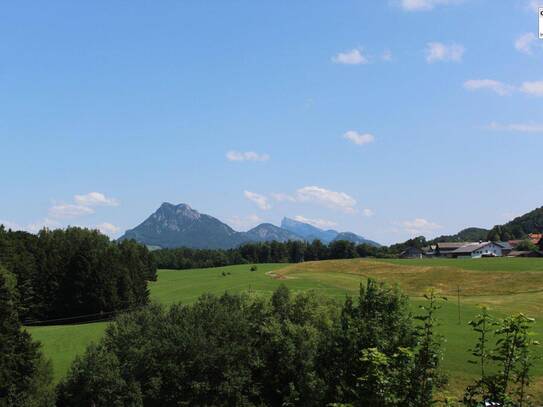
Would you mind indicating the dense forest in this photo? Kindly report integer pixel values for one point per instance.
(465, 235)
(25, 375)
(68, 273)
(295, 350)
(293, 251)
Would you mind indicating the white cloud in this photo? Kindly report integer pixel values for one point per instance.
(280, 197)
(260, 200)
(532, 88)
(244, 223)
(424, 5)
(489, 84)
(352, 57)
(517, 127)
(246, 156)
(359, 138)
(95, 199)
(526, 43)
(368, 212)
(69, 211)
(319, 195)
(319, 223)
(437, 51)
(108, 228)
(331, 199)
(419, 226)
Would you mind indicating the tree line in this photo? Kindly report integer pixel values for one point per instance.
(293, 251)
(73, 272)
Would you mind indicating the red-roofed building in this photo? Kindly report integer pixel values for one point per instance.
(535, 237)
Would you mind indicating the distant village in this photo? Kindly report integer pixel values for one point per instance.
(475, 250)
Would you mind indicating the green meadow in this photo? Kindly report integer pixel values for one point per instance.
(506, 286)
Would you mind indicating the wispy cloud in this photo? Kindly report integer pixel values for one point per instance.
(260, 200)
(281, 197)
(311, 194)
(83, 205)
(246, 156)
(386, 55)
(517, 127)
(326, 197)
(95, 199)
(438, 51)
(368, 212)
(33, 227)
(488, 84)
(108, 228)
(419, 226)
(69, 211)
(527, 43)
(359, 138)
(351, 57)
(425, 5)
(319, 223)
(532, 88)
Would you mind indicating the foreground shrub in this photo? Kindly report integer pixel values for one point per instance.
(237, 350)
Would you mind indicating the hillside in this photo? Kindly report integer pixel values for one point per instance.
(465, 235)
(520, 227)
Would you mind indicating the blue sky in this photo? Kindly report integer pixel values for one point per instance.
(386, 118)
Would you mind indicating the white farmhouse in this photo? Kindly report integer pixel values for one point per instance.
(478, 250)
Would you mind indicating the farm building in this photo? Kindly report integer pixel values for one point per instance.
(445, 249)
(412, 253)
(535, 237)
(477, 250)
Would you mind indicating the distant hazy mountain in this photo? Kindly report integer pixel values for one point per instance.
(267, 232)
(307, 231)
(181, 226)
(310, 232)
(353, 237)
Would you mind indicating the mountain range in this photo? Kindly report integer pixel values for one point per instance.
(174, 226)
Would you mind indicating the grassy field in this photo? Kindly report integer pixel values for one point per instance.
(61, 343)
(505, 285)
